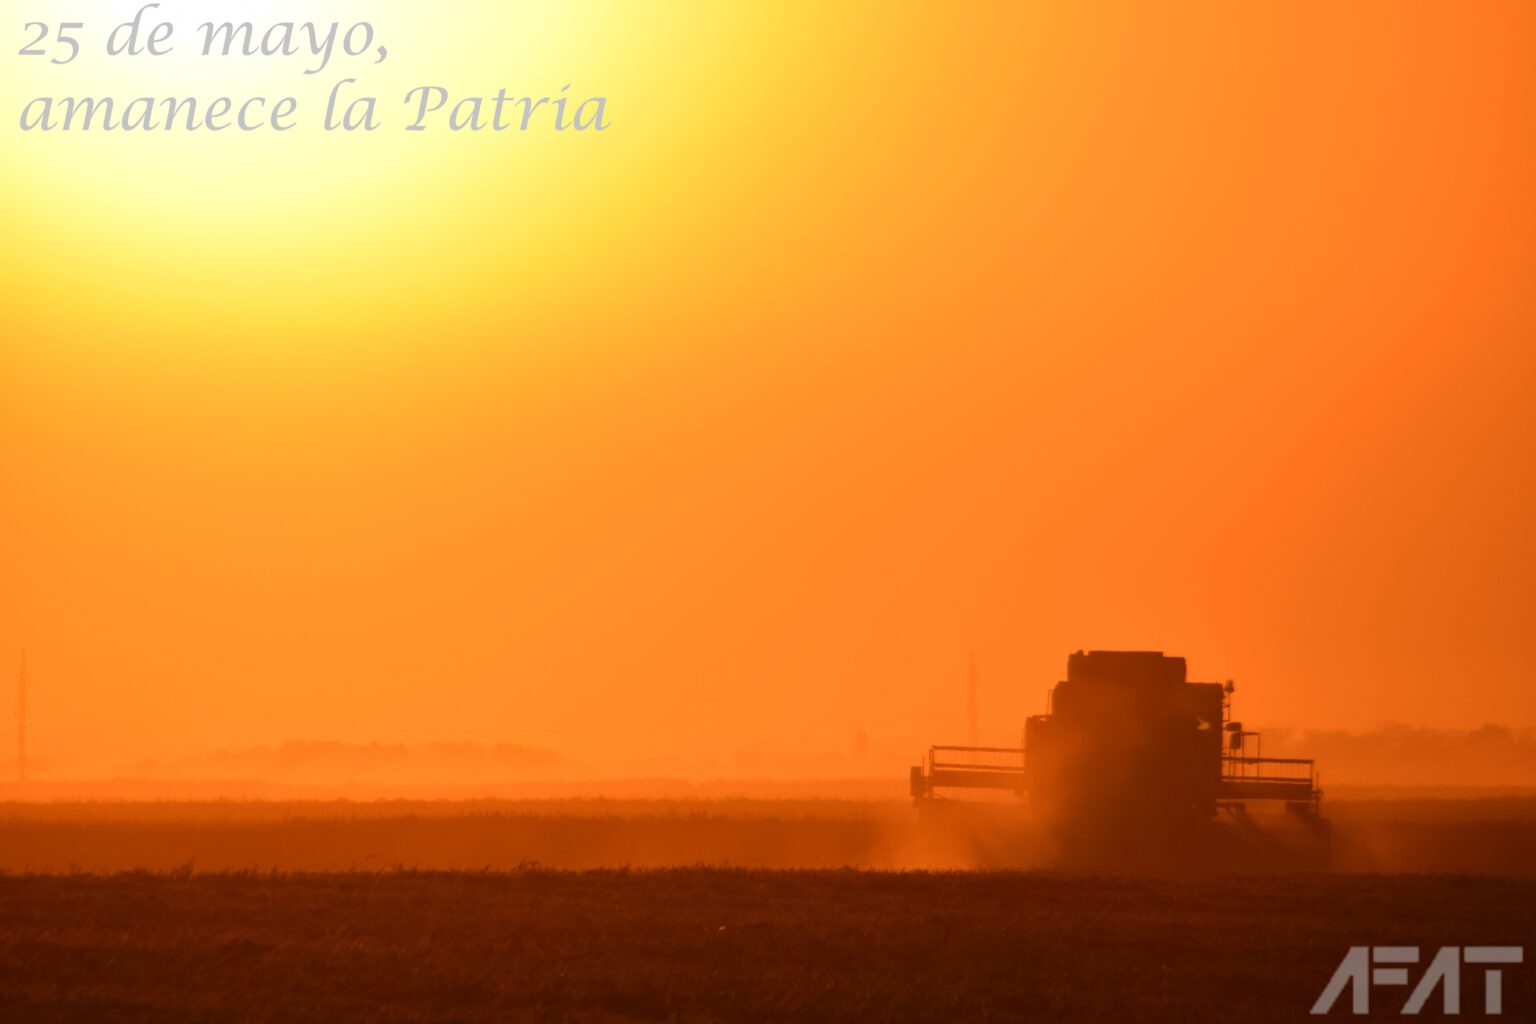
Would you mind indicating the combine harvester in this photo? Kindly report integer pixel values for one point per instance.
(1134, 765)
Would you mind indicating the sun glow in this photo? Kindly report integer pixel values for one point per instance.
(328, 233)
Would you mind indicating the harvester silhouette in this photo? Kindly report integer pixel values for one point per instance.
(1131, 756)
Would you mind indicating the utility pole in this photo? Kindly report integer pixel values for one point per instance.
(975, 703)
(21, 722)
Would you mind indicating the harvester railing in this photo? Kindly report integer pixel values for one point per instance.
(1003, 759)
(1263, 769)
(969, 768)
(1291, 779)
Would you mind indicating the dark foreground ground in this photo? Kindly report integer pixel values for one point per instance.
(725, 945)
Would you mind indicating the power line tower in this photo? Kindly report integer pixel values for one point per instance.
(974, 705)
(21, 721)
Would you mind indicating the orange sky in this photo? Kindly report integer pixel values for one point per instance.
(863, 339)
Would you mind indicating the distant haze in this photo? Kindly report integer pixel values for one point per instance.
(870, 335)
